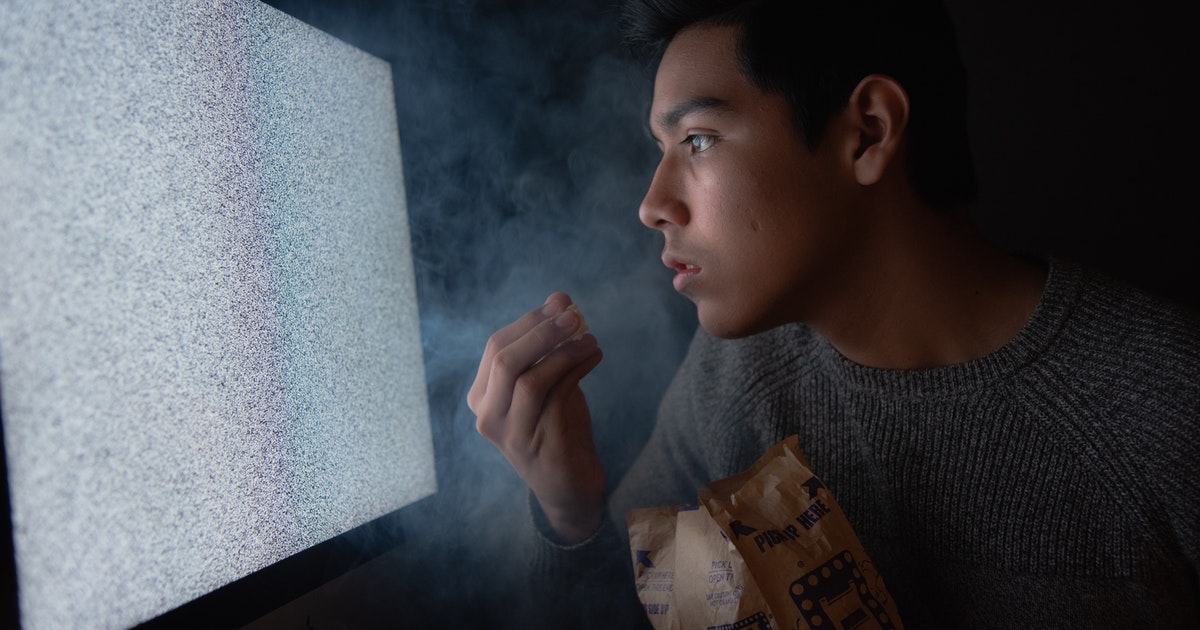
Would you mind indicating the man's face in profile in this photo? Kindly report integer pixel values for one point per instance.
(748, 213)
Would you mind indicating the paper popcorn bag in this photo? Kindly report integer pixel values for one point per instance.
(687, 573)
(652, 540)
(771, 549)
(799, 546)
(711, 578)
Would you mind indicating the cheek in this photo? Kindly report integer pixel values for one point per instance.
(775, 188)
(772, 212)
(749, 205)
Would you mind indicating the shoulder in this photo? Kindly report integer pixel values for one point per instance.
(730, 369)
(1106, 351)
(721, 397)
(1122, 377)
(708, 420)
(1116, 332)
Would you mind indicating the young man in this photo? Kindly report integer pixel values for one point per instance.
(1015, 443)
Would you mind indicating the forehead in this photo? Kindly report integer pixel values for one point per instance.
(700, 65)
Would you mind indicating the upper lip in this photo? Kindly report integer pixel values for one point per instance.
(677, 264)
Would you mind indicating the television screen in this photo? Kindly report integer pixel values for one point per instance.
(210, 353)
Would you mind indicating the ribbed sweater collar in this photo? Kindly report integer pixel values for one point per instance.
(1063, 285)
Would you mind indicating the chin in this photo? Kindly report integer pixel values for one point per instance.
(728, 327)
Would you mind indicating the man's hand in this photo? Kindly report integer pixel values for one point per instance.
(527, 402)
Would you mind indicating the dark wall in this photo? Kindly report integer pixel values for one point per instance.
(1079, 126)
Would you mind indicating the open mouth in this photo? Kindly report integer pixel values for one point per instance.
(684, 273)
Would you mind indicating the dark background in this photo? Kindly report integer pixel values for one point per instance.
(521, 126)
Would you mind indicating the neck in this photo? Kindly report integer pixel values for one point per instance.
(928, 292)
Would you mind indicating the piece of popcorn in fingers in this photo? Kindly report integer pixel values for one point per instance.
(583, 327)
(575, 336)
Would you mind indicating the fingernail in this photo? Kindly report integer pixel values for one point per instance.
(551, 308)
(566, 320)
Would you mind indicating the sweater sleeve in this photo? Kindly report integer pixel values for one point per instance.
(585, 585)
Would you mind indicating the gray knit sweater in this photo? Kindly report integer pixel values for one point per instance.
(1052, 484)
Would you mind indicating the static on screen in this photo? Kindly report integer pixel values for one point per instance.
(210, 351)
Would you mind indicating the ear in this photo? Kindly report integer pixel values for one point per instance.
(878, 111)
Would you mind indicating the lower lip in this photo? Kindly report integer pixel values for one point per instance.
(683, 277)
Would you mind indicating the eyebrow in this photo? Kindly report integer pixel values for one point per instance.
(671, 117)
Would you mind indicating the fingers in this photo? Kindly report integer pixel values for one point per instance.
(559, 392)
(506, 336)
(555, 304)
(519, 396)
(546, 386)
(522, 367)
(509, 416)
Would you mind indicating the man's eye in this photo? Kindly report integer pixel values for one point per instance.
(700, 142)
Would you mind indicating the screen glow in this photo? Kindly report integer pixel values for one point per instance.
(210, 353)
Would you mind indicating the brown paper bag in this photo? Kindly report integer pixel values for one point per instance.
(771, 549)
(799, 546)
(652, 540)
(711, 577)
(687, 573)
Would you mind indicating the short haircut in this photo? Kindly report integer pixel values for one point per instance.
(815, 53)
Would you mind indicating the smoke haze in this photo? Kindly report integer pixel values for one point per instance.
(525, 161)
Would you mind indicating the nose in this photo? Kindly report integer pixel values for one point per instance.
(663, 204)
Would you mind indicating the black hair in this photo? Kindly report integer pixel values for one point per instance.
(815, 53)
